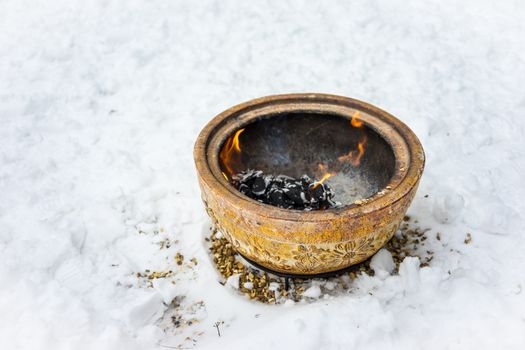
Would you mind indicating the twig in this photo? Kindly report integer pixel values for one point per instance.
(216, 325)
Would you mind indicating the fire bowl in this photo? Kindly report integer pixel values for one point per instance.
(294, 135)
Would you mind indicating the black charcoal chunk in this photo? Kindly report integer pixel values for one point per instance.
(258, 186)
(284, 191)
(275, 197)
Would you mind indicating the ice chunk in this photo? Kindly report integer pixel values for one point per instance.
(233, 281)
(329, 285)
(274, 286)
(409, 272)
(313, 292)
(289, 303)
(382, 264)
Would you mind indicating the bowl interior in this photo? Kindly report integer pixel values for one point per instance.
(294, 144)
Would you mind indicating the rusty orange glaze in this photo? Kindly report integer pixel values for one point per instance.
(298, 242)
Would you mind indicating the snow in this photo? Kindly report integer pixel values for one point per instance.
(313, 292)
(101, 102)
(248, 285)
(233, 281)
(409, 273)
(382, 263)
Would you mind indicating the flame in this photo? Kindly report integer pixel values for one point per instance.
(354, 157)
(235, 143)
(326, 176)
(231, 153)
(356, 123)
(323, 179)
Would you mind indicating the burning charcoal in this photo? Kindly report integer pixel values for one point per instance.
(244, 189)
(293, 192)
(258, 186)
(306, 181)
(284, 191)
(276, 198)
(322, 196)
(318, 192)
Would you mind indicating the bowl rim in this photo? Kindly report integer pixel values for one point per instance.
(407, 149)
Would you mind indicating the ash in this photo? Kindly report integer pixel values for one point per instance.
(284, 191)
(351, 186)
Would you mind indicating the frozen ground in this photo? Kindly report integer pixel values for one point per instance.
(101, 101)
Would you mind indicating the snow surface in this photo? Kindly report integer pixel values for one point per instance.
(100, 104)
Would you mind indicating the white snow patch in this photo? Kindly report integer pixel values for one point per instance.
(382, 263)
(448, 206)
(274, 286)
(313, 292)
(409, 272)
(233, 281)
(144, 310)
(166, 288)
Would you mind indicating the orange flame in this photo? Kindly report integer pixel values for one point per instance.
(231, 153)
(323, 179)
(326, 176)
(354, 157)
(356, 123)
